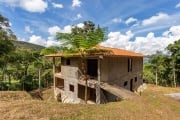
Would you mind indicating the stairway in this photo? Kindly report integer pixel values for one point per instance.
(120, 92)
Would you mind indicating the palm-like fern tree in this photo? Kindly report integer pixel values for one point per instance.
(81, 41)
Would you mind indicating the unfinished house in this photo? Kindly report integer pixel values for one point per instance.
(111, 77)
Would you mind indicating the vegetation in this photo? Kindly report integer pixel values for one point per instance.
(163, 69)
(17, 70)
(152, 105)
(26, 45)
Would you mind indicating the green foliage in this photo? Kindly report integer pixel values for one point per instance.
(174, 49)
(165, 67)
(50, 50)
(81, 39)
(6, 36)
(148, 75)
(6, 46)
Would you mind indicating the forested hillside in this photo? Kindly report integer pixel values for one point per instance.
(26, 45)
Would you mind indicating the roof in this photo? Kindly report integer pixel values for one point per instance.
(113, 52)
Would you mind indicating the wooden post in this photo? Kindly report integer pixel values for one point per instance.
(98, 92)
(54, 82)
(86, 90)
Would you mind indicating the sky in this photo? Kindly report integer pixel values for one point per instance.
(143, 26)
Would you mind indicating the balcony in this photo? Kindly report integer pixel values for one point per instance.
(90, 82)
(57, 69)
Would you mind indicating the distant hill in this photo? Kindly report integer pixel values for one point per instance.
(27, 45)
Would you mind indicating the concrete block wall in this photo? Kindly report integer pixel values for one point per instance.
(114, 70)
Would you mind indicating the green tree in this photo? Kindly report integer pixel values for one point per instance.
(158, 69)
(6, 46)
(175, 55)
(81, 41)
(38, 64)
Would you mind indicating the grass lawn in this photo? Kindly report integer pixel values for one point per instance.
(152, 105)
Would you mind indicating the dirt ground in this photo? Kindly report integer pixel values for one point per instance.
(152, 105)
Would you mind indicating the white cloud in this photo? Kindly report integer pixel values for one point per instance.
(171, 20)
(81, 25)
(10, 24)
(54, 29)
(131, 20)
(118, 40)
(28, 5)
(78, 16)
(146, 45)
(173, 31)
(66, 29)
(28, 29)
(37, 40)
(57, 5)
(52, 42)
(177, 5)
(76, 3)
(155, 19)
(116, 20)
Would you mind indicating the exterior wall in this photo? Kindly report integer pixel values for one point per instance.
(114, 70)
(70, 76)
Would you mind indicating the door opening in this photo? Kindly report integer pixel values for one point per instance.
(92, 68)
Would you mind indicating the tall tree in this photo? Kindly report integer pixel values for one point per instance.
(6, 46)
(175, 55)
(81, 40)
(155, 64)
(38, 64)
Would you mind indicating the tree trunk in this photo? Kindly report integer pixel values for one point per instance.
(174, 74)
(9, 78)
(39, 79)
(156, 77)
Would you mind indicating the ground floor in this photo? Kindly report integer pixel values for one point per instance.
(74, 92)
